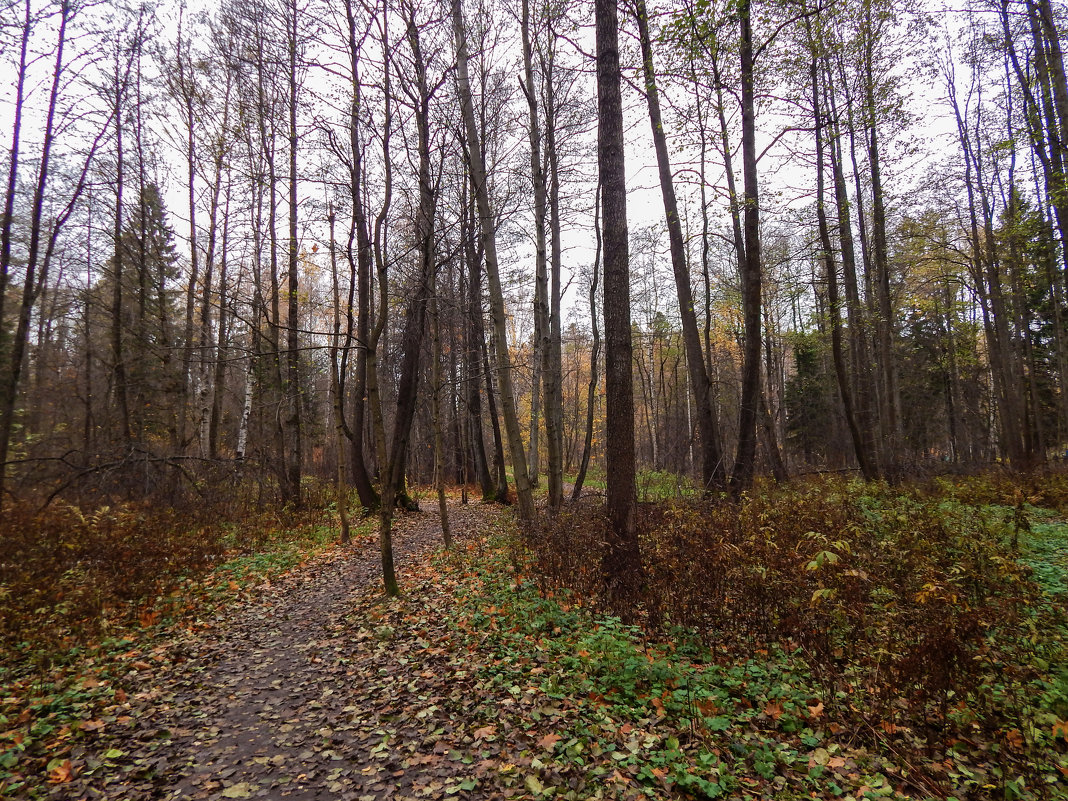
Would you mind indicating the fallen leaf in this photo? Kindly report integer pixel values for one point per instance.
(1015, 739)
(547, 742)
(485, 732)
(816, 711)
(61, 773)
(534, 785)
(239, 790)
(773, 710)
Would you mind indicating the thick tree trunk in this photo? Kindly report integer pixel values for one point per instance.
(292, 422)
(553, 373)
(622, 565)
(118, 355)
(742, 475)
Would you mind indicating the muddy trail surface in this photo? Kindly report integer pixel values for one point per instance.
(297, 693)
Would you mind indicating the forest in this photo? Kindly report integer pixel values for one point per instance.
(691, 378)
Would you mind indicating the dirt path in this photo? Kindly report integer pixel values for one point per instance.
(294, 695)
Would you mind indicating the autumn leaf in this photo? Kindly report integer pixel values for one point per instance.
(1060, 729)
(773, 710)
(816, 712)
(1014, 738)
(485, 732)
(60, 772)
(547, 742)
(239, 790)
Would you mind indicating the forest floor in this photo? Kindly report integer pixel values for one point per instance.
(474, 684)
(301, 691)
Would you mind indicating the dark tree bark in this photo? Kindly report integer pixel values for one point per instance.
(293, 433)
(436, 422)
(474, 342)
(361, 266)
(218, 384)
(117, 353)
(751, 268)
(622, 560)
(591, 389)
(713, 472)
(336, 396)
(415, 317)
(554, 374)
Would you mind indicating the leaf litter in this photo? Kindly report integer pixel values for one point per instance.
(306, 690)
(472, 685)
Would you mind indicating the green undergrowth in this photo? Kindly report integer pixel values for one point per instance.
(664, 712)
(651, 485)
(52, 687)
(1045, 549)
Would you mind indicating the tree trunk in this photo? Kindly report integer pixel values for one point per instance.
(742, 475)
(292, 421)
(439, 437)
(488, 226)
(341, 489)
(713, 473)
(831, 274)
(591, 389)
(415, 317)
(362, 267)
(218, 383)
(891, 401)
(474, 341)
(621, 565)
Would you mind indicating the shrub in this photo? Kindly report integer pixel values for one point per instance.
(901, 603)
